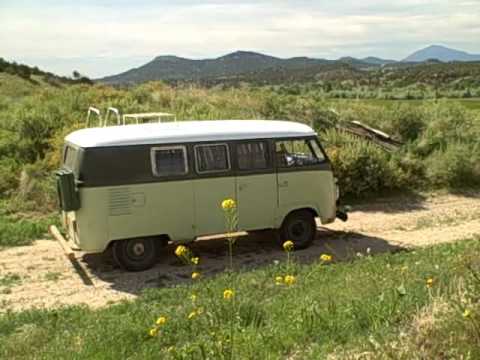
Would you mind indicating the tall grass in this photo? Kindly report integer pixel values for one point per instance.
(440, 137)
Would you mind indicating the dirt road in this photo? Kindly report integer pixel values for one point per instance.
(40, 276)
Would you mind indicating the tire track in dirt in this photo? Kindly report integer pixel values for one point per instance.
(48, 279)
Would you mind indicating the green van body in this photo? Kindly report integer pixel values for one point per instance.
(182, 208)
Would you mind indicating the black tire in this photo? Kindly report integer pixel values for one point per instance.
(135, 254)
(300, 228)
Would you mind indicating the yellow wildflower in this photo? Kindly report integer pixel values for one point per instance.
(161, 320)
(289, 280)
(195, 275)
(181, 250)
(228, 294)
(228, 204)
(193, 297)
(429, 282)
(326, 257)
(288, 245)
(192, 315)
(278, 280)
(466, 313)
(153, 332)
(195, 260)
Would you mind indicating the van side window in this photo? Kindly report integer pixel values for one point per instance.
(169, 160)
(212, 158)
(252, 155)
(294, 153)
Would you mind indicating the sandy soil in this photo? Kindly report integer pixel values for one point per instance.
(48, 279)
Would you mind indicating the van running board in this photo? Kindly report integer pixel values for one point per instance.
(67, 250)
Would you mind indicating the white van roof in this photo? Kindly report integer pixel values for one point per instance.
(186, 131)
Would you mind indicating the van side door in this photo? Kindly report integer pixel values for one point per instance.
(256, 185)
(214, 182)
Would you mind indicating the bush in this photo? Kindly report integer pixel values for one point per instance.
(360, 167)
(455, 167)
(36, 191)
(407, 123)
(9, 170)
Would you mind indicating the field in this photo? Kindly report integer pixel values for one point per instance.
(403, 280)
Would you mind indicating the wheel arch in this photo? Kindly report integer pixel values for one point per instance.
(310, 208)
(162, 238)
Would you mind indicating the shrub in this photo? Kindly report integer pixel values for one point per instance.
(9, 170)
(361, 168)
(456, 166)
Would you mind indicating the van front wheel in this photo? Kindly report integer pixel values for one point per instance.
(135, 254)
(300, 228)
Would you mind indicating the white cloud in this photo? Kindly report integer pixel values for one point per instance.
(103, 37)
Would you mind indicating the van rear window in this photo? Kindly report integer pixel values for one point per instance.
(169, 161)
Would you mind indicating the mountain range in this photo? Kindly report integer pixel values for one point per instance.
(248, 64)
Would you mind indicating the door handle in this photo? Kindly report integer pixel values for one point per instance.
(283, 184)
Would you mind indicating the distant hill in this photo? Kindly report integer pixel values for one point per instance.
(377, 61)
(441, 53)
(234, 64)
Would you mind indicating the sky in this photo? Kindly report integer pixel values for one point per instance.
(105, 37)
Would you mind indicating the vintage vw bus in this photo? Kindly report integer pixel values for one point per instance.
(136, 187)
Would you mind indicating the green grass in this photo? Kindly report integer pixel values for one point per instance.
(330, 308)
(9, 279)
(472, 103)
(18, 232)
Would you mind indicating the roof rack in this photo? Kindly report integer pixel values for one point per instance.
(117, 114)
(122, 120)
(159, 116)
(93, 110)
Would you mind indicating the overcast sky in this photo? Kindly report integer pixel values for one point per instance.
(104, 37)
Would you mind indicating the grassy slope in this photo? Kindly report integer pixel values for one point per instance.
(341, 306)
(13, 87)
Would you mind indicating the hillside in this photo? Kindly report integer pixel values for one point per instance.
(440, 53)
(234, 64)
(21, 80)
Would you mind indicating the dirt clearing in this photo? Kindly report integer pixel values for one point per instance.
(41, 276)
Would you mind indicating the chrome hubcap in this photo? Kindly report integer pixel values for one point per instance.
(138, 249)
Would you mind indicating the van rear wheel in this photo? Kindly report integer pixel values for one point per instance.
(135, 254)
(300, 228)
